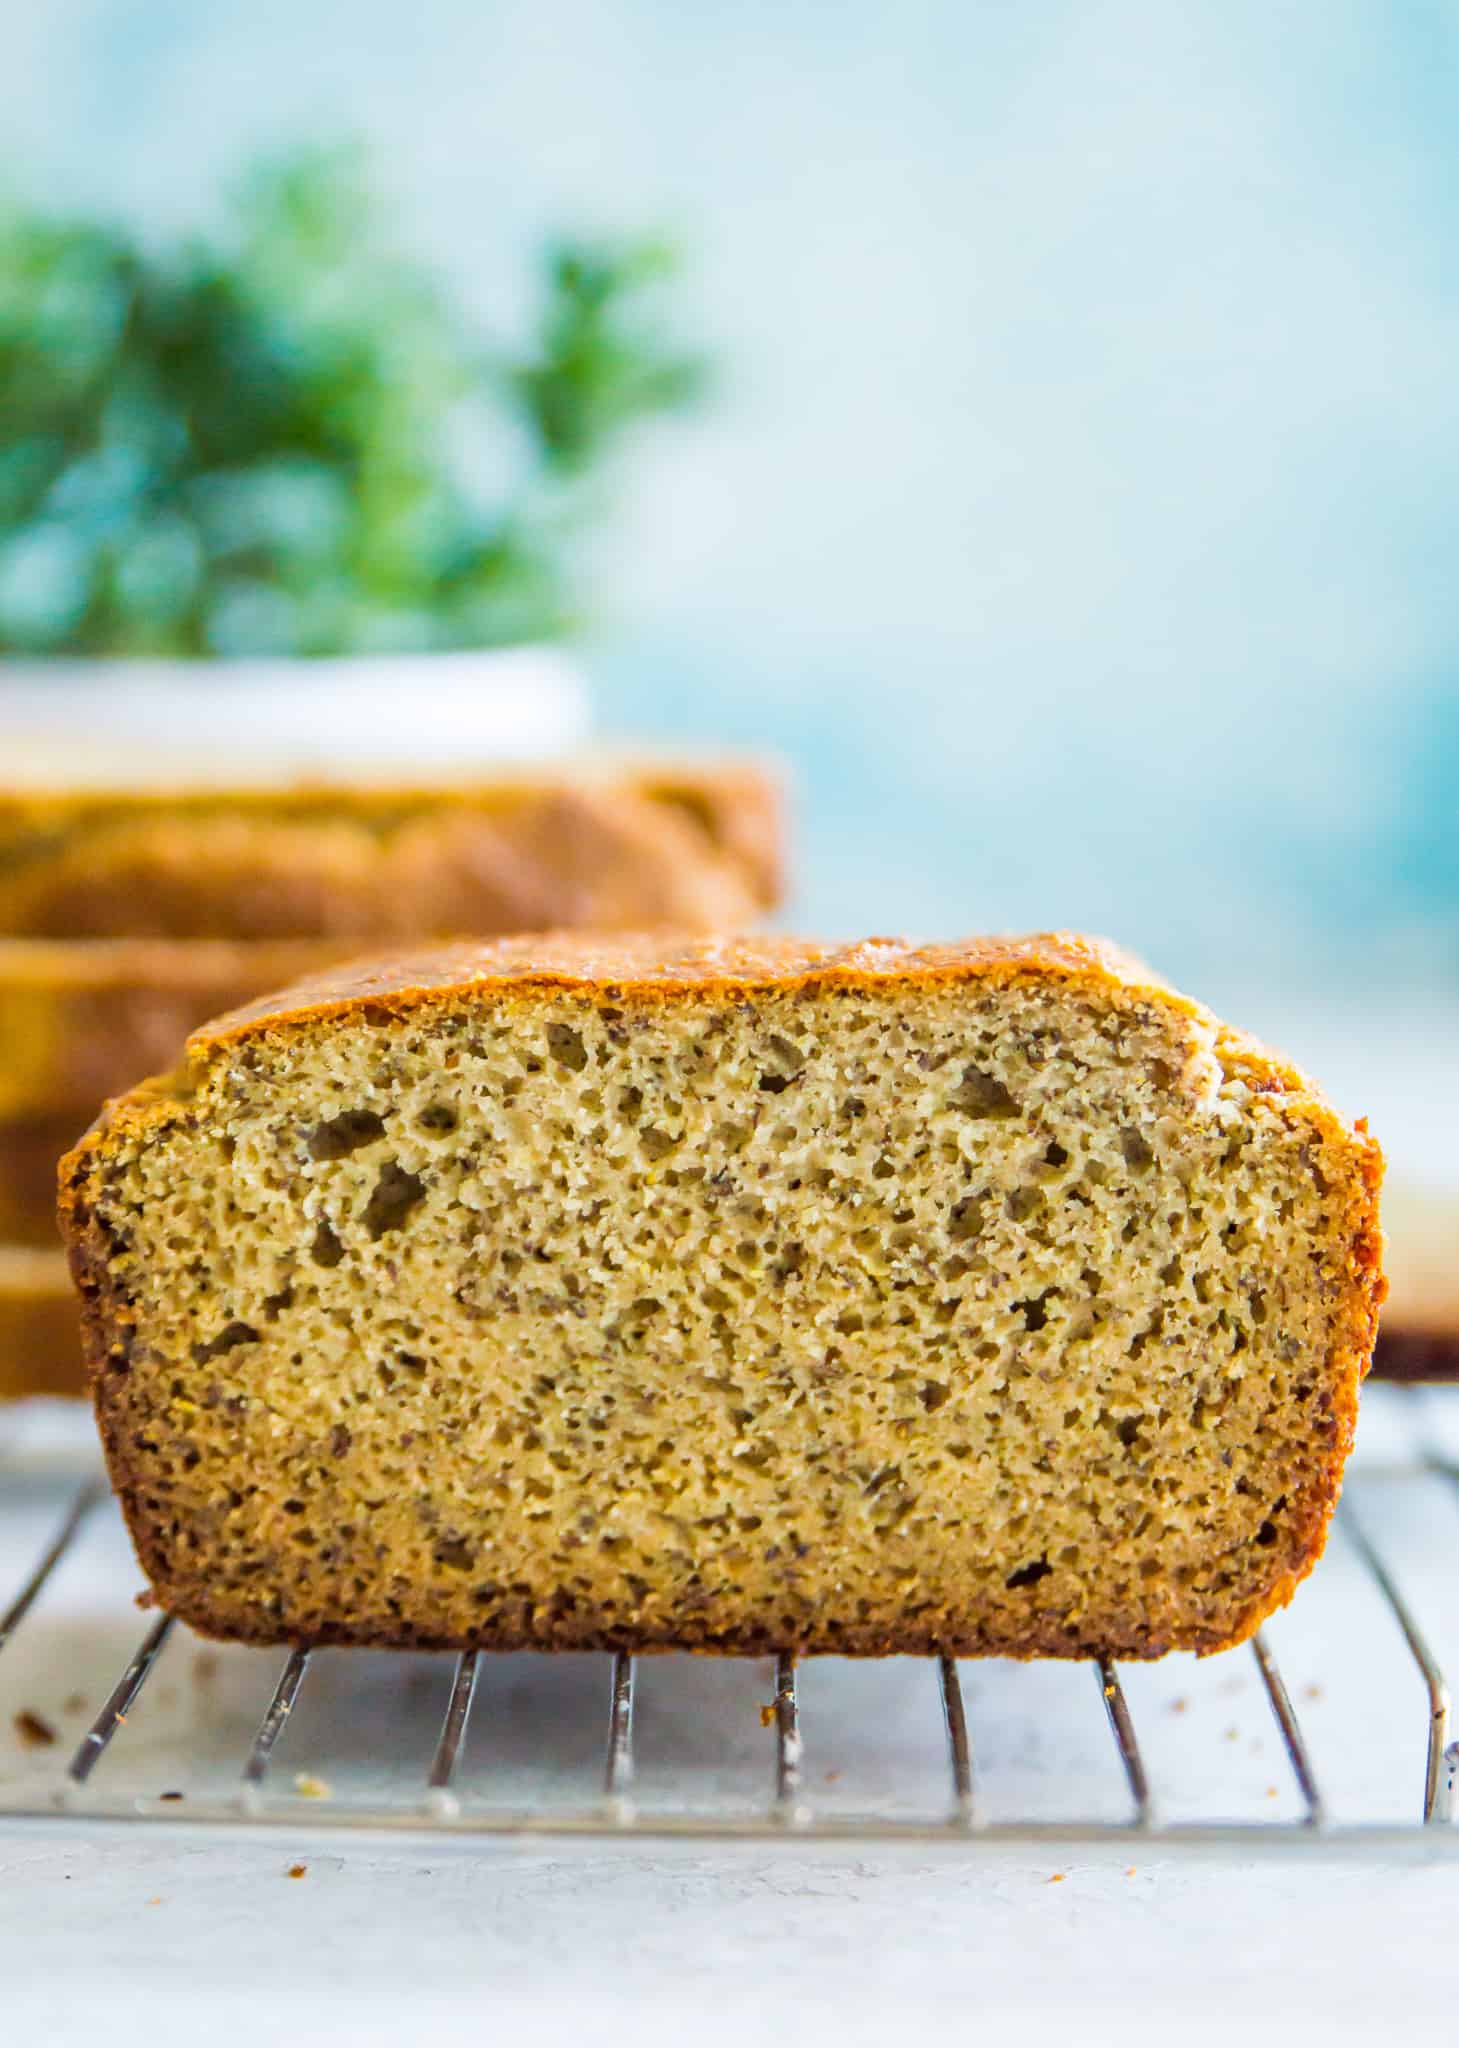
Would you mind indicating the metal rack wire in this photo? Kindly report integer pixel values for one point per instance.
(94, 1783)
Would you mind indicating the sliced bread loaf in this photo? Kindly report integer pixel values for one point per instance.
(570, 1293)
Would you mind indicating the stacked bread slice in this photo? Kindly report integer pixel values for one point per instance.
(80, 1019)
(1420, 1336)
(129, 916)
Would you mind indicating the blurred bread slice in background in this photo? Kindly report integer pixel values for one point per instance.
(599, 841)
(143, 892)
(40, 1338)
(1419, 1335)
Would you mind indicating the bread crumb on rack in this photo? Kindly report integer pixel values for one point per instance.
(34, 1731)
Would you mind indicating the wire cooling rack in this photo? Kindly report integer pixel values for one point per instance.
(1330, 1730)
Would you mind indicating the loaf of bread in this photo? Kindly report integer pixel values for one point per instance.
(79, 1021)
(40, 1341)
(592, 1293)
(82, 1020)
(597, 844)
(29, 1151)
(1419, 1339)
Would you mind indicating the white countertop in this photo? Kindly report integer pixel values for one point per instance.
(395, 1945)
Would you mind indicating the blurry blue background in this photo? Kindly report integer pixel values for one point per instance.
(1077, 508)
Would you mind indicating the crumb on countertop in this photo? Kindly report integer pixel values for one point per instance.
(298, 1869)
(34, 1732)
(309, 1787)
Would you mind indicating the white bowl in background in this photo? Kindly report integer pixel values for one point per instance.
(379, 717)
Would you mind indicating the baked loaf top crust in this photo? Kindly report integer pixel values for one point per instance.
(732, 1294)
(594, 842)
(661, 966)
(653, 966)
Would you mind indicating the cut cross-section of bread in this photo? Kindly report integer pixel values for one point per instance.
(987, 1298)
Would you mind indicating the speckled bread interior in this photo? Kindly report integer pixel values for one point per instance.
(990, 1298)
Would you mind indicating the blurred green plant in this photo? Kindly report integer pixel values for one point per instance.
(285, 439)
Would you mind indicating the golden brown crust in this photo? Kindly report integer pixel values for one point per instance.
(647, 967)
(40, 1338)
(662, 966)
(587, 844)
(659, 966)
(1352, 1351)
(741, 808)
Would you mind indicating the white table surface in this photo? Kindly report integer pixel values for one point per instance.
(158, 1942)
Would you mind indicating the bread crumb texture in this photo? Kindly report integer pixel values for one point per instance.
(734, 1295)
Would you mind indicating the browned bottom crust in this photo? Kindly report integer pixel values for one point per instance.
(40, 1338)
(924, 1639)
